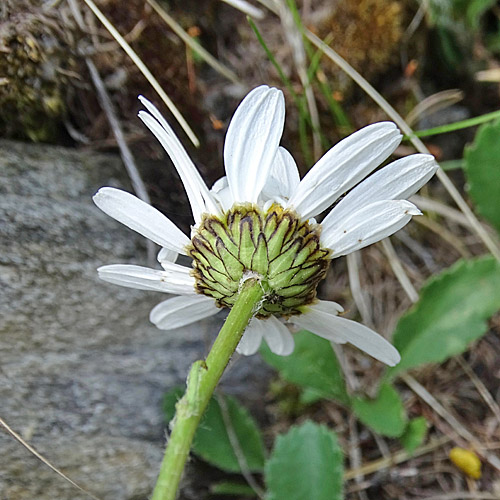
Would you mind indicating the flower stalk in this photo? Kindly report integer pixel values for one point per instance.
(202, 380)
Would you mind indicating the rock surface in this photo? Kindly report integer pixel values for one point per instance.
(83, 372)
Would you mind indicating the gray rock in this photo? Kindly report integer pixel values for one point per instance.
(83, 372)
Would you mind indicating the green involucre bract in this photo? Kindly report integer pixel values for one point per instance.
(275, 245)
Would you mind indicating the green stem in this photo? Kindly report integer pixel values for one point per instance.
(202, 380)
(451, 127)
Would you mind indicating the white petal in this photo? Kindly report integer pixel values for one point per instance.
(328, 306)
(341, 330)
(196, 189)
(397, 181)
(156, 114)
(278, 336)
(219, 184)
(252, 140)
(141, 217)
(368, 225)
(222, 194)
(225, 199)
(315, 323)
(252, 337)
(284, 177)
(166, 255)
(181, 311)
(176, 269)
(349, 161)
(143, 278)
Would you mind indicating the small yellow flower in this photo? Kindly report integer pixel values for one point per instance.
(467, 461)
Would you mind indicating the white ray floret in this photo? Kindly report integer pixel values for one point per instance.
(278, 336)
(397, 181)
(261, 175)
(221, 193)
(342, 330)
(166, 255)
(198, 194)
(252, 141)
(141, 217)
(284, 177)
(181, 311)
(144, 278)
(252, 338)
(348, 162)
(369, 224)
(273, 331)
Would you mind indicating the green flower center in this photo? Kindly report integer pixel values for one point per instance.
(275, 245)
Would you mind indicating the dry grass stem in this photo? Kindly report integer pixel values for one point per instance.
(358, 294)
(294, 37)
(396, 458)
(246, 8)
(398, 270)
(434, 103)
(355, 455)
(42, 459)
(125, 153)
(444, 234)
(419, 145)
(235, 445)
(483, 391)
(444, 210)
(465, 495)
(144, 70)
(436, 406)
(193, 44)
(351, 380)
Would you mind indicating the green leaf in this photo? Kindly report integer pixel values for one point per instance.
(211, 441)
(452, 312)
(385, 414)
(476, 9)
(233, 489)
(414, 434)
(306, 463)
(310, 396)
(482, 168)
(312, 365)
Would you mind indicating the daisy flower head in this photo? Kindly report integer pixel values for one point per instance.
(258, 222)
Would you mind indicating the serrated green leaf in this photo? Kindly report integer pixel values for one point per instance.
(306, 463)
(211, 441)
(452, 311)
(313, 365)
(482, 169)
(385, 414)
(414, 434)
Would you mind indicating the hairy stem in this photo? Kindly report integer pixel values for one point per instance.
(202, 380)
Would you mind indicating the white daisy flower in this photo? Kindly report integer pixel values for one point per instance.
(257, 221)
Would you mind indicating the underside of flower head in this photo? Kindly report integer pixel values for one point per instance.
(275, 245)
(257, 221)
